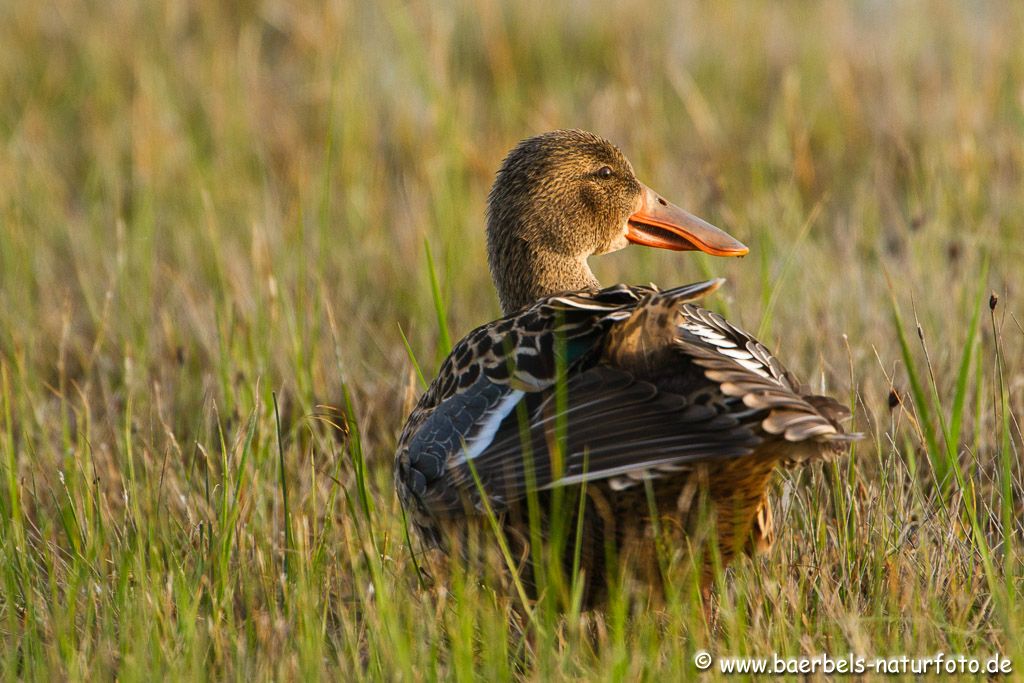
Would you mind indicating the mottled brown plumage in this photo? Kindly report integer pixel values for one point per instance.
(653, 409)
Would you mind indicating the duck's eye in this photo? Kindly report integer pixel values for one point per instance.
(604, 173)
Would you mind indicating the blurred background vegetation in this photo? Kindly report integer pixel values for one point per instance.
(207, 206)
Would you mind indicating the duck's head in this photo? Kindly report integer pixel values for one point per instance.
(563, 196)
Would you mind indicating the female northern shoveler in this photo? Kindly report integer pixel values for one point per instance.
(632, 396)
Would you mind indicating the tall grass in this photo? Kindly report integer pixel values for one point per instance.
(212, 268)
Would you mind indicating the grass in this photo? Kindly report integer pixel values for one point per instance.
(212, 264)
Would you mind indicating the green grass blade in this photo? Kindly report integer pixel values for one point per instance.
(412, 357)
(964, 372)
(440, 310)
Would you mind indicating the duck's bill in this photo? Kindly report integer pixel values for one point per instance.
(663, 225)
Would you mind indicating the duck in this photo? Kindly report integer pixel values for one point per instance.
(652, 421)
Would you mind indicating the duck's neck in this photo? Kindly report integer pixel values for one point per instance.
(525, 272)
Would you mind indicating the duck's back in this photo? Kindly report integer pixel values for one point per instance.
(643, 396)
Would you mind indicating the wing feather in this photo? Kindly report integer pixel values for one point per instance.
(613, 425)
(652, 385)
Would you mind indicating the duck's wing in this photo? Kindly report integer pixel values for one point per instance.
(651, 385)
(675, 385)
(491, 421)
(600, 424)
